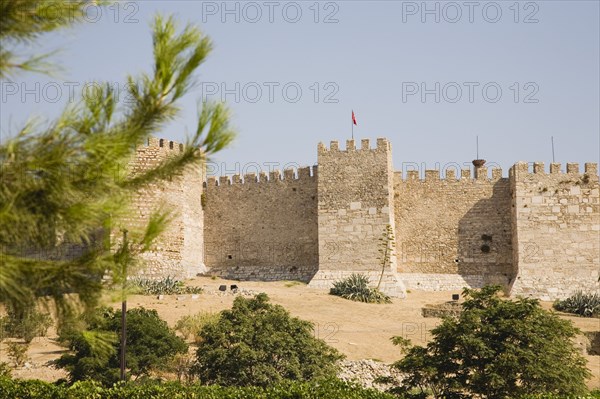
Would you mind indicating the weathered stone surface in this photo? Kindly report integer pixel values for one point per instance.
(536, 233)
(556, 240)
(179, 250)
(364, 372)
(355, 189)
(265, 230)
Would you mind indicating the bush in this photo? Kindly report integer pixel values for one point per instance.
(586, 305)
(495, 349)
(5, 370)
(150, 345)
(17, 352)
(327, 389)
(27, 326)
(257, 343)
(356, 288)
(190, 326)
(166, 286)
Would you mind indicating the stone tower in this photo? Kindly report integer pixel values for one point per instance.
(555, 230)
(355, 205)
(178, 252)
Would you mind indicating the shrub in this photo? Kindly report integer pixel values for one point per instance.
(327, 389)
(356, 288)
(257, 343)
(166, 286)
(27, 326)
(5, 370)
(190, 326)
(587, 305)
(17, 352)
(495, 349)
(182, 365)
(150, 345)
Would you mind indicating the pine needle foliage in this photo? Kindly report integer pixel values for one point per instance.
(66, 183)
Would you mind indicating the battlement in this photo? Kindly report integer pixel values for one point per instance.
(534, 231)
(521, 169)
(365, 145)
(289, 175)
(166, 145)
(465, 175)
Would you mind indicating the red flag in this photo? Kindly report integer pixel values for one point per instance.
(353, 118)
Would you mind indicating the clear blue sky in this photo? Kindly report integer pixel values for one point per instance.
(375, 57)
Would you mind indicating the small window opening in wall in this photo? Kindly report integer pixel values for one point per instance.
(294, 189)
(456, 260)
(170, 145)
(229, 257)
(485, 249)
(486, 237)
(180, 147)
(161, 142)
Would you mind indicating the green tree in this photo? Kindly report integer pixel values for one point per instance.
(66, 182)
(151, 344)
(258, 343)
(495, 349)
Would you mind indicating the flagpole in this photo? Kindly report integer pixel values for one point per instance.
(352, 123)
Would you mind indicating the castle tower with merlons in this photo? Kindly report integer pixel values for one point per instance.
(535, 232)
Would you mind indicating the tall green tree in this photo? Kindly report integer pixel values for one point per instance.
(66, 182)
(258, 343)
(495, 349)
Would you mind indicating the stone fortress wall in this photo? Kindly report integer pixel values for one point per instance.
(535, 233)
(262, 227)
(556, 230)
(179, 252)
(453, 232)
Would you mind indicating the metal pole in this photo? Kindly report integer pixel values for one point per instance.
(123, 315)
(552, 138)
(477, 146)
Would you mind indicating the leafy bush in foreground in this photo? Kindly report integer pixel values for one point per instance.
(258, 343)
(496, 349)
(587, 305)
(356, 288)
(150, 345)
(166, 286)
(325, 389)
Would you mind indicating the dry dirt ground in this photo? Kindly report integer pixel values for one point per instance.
(359, 330)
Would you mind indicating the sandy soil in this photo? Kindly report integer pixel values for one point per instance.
(360, 331)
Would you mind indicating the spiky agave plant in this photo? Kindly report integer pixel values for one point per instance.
(356, 288)
(165, 286)
(587, 305)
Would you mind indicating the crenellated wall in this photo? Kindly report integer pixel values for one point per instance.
(178, 252)
(555, 230)
(453, 232)
(262, 227)
(536, 233)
